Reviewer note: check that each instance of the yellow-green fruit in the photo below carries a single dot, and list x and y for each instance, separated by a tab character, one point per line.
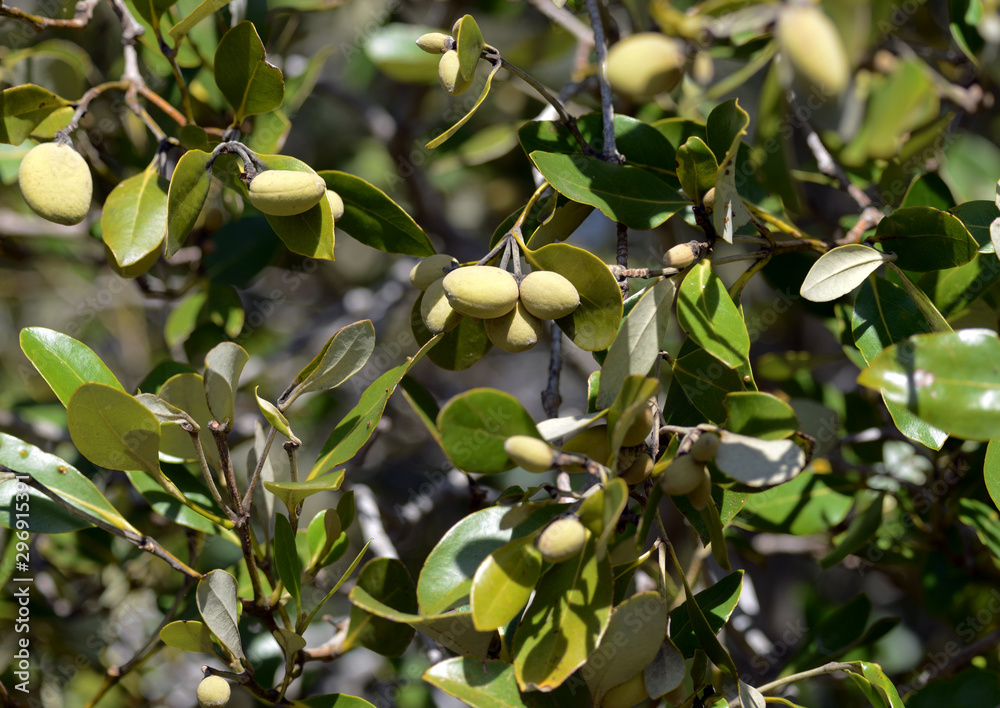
434	42
435	310
529	453
592	442
680	256
682	476
286	192
56	183
702	494
626	695
517	331
336	204
548	295
430	270
213	692
450	74
645	64
640	427
813	46
705	446
562	539
639	471
481	291
708	201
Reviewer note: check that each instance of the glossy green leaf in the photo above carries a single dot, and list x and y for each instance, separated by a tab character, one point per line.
624	193
808	504
928	190
637	345
926	239
286	559
423	404
503	583
187	393
729	122
189	185
696	168
112	429
292	493
274	417
874	675
565	219
491	684
594	324
188	635
884	315
716	602
474	426
601	510
457	349
250	84
948	379
374	219
440	139
344	355
387	581
759	415
203	10
218	606
64	362
223	366
447	574
134	220
977	216
954	290
991	471
709	316
864	525
984	519
707	381
564	623
324	531
469	42
726	124
840	270
24	107
65	480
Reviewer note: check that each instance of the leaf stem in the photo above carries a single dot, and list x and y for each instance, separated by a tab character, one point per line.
831	668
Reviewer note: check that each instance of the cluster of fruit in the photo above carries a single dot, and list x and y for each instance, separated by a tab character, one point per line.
512	312
449	69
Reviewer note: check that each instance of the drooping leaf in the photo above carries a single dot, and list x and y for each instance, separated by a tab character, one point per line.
188	635
293	493
709	316
24	107
64	362
474	426
344	354
840	270
223	366
218	605
440	139
112	429
250	84
189	185
134	220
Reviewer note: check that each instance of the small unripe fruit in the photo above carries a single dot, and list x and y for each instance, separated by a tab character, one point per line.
517	331
562	539
682	476
645	64
213	692
813	46
548	295
435	310
430	270
481	291
286	192
592	442
640	427
705	446
625	695
680	256
529	453
56	183
708	201
450	74
702	494
336	204
435	42
639	471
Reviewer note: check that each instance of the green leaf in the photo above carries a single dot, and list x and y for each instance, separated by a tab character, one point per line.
810	503
637	345
716	602
725	125
447	574
206	8
134	220
24	107
729	123
387	581
187	393
293	493
286	559
948	379
469	41
707	381
953	290
324	531
925	239
624	193
991	471
274	417
439	140
759	415
474	426
491	684
971	687
880	683
503	583
64	362
709	316
600	511
884	315
840	270
249	83
344	355
189	185
977	216
393	49
60	477
594	324
112	429
759	463
838	630
188	635
984	519
217	604
374	219
334	700
863	526
929	190
564	623
223	365
696	168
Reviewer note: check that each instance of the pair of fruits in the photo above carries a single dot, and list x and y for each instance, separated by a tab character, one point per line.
512	312
287	192
449	69
688	473
56	183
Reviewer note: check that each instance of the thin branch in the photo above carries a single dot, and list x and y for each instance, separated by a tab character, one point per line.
550	396
81	18
831	668
609	150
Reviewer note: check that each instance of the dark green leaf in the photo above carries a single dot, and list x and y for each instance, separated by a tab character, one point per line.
971	687
474	426
64	362
716	602
884	315
22	108
707	381
709	316
457	349
759	415
863	526
286	559
248	82
134	221
696	168
387	581
808	504
492	684
926	239
188	191
977	217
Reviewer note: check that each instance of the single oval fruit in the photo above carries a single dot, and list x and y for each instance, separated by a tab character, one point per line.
517	331
645	64
548	295
436	312
640	427
705	446
592	442
435	42
639	471
681	256
286	192
814	48
531	454
625	695
450	74
562	539
336	204
701	495
213	692
56	183
682	476
481	291
431	269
